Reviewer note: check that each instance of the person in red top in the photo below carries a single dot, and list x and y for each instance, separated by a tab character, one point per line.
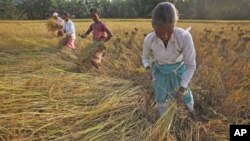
101	34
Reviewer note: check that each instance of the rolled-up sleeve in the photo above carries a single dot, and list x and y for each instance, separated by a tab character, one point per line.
146	53
189	56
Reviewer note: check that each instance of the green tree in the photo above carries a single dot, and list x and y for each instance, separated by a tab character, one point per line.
188	9
35	9
8	10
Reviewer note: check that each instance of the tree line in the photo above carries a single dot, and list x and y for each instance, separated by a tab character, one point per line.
188	9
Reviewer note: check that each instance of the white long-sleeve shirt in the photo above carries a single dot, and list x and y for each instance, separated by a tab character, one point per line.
180	48
69	29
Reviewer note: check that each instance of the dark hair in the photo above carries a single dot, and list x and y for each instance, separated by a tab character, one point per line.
93	9
66	14
165	12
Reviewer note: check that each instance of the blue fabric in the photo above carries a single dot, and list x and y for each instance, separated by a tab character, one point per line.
167	81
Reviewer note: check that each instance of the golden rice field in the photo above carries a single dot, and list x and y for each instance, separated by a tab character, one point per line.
47	96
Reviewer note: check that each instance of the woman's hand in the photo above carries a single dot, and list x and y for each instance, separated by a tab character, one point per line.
105	40
83	35
149	74
180	94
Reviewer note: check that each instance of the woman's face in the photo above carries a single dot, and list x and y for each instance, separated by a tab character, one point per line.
163	31
94	16
66	18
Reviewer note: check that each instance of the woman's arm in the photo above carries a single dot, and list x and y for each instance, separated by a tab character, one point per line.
146	53
189	55
87	32
145	58
109	34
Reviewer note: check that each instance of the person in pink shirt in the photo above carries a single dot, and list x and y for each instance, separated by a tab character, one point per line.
101	34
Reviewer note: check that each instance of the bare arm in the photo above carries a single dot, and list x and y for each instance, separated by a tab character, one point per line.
109	34
86	33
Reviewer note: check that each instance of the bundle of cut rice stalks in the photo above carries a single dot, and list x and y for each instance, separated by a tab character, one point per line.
53	26
68	106
160	131
80	56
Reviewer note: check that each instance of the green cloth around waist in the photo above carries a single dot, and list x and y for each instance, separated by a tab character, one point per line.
168	78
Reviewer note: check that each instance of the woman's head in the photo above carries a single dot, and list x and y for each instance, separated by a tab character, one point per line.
66	16
55	15
94	14
164	18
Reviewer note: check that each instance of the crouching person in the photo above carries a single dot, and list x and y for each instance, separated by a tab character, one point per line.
174	53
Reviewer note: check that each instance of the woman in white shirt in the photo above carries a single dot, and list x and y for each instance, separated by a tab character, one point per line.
69	29
174	58
59	21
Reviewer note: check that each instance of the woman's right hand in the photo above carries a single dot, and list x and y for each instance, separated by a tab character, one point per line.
149	75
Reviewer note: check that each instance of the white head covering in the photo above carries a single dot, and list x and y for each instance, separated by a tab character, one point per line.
55	14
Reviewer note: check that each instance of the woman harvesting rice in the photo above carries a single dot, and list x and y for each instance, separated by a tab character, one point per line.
69	29
174	54
59	21
100	33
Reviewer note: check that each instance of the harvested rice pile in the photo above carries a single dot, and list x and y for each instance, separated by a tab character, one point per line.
70	106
